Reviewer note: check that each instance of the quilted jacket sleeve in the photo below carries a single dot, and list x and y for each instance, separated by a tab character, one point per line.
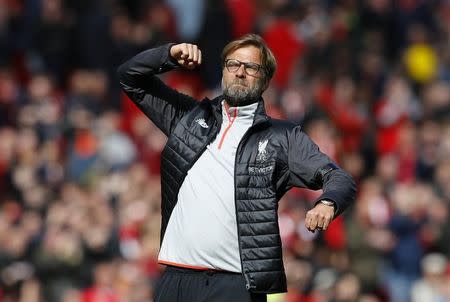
309	167
162	104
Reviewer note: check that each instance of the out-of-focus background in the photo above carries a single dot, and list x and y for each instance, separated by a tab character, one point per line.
79	165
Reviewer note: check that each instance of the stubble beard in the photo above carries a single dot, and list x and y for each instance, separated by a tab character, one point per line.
241	95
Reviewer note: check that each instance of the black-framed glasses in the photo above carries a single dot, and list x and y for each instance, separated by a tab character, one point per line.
251	69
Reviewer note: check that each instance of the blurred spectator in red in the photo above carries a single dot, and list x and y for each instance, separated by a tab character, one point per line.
397	107
243	15
345	110
282	38
102	289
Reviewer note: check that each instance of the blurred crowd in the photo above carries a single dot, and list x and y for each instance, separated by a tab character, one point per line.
369	80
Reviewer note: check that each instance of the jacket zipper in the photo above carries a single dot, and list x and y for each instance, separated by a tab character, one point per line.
230	123
244	138
238	150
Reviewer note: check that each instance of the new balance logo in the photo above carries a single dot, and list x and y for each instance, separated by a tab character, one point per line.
201	122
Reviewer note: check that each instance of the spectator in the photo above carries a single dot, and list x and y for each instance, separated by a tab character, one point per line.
432	286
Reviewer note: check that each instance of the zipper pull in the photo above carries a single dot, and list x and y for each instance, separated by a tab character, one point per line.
247	282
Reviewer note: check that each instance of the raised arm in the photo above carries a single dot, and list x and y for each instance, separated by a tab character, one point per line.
162	104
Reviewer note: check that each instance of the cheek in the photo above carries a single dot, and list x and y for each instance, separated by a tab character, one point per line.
225	77
256	83
228	78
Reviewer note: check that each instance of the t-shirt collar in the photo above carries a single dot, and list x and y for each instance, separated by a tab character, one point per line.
247	111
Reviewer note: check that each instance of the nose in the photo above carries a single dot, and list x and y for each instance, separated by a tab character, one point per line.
241	71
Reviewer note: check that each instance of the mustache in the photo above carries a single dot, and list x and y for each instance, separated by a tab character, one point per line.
240	82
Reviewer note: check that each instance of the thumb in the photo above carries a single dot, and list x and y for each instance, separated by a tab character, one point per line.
179	51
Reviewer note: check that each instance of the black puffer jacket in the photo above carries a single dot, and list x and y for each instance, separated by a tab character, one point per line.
272	157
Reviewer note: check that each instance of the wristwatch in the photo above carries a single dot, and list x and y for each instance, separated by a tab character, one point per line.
329	203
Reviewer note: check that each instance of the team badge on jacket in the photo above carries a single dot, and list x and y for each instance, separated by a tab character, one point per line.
262	153
201	122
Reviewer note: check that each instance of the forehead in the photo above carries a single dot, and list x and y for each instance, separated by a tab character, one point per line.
248	53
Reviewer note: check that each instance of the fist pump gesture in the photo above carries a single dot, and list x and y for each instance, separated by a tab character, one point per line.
187	55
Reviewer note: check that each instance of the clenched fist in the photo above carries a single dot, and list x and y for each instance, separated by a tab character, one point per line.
319	217
187	55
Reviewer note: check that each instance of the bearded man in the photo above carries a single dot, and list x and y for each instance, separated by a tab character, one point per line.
225	166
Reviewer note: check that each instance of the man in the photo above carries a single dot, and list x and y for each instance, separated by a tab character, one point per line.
224	168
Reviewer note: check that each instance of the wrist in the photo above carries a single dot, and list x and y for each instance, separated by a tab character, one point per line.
329	203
